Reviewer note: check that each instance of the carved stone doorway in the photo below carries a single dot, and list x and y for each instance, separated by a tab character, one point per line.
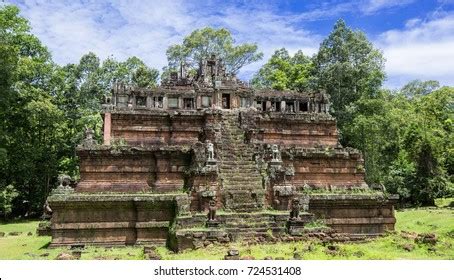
225	101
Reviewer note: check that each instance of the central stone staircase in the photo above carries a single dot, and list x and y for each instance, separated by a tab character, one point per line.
241	181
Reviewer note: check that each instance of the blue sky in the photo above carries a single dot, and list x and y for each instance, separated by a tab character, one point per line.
416	37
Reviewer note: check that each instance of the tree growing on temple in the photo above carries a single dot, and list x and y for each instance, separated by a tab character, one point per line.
202	43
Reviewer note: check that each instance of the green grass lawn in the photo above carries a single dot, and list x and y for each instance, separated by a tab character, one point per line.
423	220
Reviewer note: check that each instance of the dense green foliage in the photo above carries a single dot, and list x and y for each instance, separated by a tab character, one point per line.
7	195
407	142
44	109
202	43
348	67
284	72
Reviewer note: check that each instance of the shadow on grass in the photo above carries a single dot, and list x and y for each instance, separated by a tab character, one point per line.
17	221
45	246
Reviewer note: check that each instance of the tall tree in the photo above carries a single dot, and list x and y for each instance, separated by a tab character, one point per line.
31	124
80	91
202	43
348	66
418	87
284	72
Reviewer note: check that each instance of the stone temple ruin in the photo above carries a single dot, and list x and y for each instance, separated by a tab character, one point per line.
209	158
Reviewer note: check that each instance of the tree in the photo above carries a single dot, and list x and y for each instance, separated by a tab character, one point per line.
348	66
407	142
418	87
80	90
30	121
202	43
133	71
285	72
7	195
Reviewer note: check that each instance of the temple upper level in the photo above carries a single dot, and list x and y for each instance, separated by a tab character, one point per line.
126	97
213	88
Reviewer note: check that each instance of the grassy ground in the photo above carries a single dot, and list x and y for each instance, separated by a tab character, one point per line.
393	246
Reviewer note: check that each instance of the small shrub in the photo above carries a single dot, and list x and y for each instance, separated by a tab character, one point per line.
7	195
316	224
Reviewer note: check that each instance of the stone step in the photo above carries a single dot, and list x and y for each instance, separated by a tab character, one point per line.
237	159
248	233
244	193
241	169
257	185
235	142
250	185
233	166
249	176
248	188
238	150
253	179
243	177
245	168
235	148
245	180
232	146
245	209
232	162
235	153
235	162
243	165
243	187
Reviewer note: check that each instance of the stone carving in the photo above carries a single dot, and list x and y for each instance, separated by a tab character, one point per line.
232	254
210	151
64	180
211	161
212	211
276	154
88	139
64	187
212	219
295	212
47	211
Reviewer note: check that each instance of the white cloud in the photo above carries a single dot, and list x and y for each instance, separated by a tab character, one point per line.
372	6
412	22
123	29
70	28
146	28
423	50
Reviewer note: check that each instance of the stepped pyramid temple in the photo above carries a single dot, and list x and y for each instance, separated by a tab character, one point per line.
209	159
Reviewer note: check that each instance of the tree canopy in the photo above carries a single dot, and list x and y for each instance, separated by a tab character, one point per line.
44	109
284	72
202	43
